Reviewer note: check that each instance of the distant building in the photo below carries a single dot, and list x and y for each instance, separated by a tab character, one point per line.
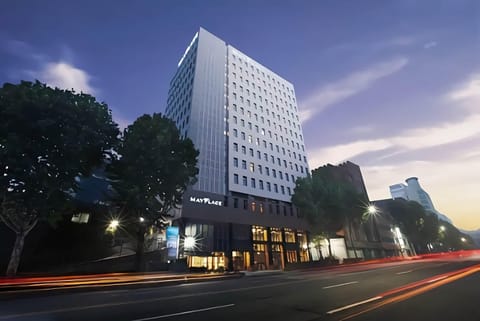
375	237
412	191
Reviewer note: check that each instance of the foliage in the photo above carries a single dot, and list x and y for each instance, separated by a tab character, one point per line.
327	202
48	137
420	226
153	170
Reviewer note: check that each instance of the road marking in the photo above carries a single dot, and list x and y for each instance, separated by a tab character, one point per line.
404	272
337	285
354	305
415	292
186	312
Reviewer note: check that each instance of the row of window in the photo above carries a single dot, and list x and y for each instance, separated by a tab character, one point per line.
252	126
256	140
267	186
245	63
263	169
272	159
264	207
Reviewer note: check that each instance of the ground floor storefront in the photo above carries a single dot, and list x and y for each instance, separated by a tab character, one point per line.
237	247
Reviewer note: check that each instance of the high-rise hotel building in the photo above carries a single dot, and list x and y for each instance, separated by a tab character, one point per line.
243	118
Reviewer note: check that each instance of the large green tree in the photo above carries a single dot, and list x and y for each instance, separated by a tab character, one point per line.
48	138
327	202
154	168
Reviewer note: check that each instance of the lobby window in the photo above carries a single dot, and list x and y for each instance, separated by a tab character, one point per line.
289	235
235	178
235	200
260	208
276	234
245	204
253	206
260	183
252	182
244	164
235	162
244	180
259	233
270	208
291	256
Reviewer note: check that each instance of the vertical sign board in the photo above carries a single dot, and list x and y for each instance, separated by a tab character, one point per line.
172	242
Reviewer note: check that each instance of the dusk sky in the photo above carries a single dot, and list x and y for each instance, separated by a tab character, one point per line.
393	86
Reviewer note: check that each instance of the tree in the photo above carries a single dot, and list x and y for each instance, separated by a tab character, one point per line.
327	202
420	226
48	138
153	170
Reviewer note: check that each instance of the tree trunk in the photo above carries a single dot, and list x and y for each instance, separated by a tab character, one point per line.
349	226
140	254
16	254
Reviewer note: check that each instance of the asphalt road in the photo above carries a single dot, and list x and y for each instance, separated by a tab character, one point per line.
436	289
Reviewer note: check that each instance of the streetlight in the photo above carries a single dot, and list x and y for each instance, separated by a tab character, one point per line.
442	228
112	228
371	209
463	239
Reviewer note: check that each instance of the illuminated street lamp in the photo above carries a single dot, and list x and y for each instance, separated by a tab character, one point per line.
189	242
112	228
463	239
371	209
442	228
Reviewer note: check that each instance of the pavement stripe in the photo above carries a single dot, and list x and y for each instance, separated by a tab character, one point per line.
354	305
415	292
404	272
186	312
338	285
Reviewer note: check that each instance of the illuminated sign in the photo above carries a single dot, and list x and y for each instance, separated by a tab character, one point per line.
172	242
205	200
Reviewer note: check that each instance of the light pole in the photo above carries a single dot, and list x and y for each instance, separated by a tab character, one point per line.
112	228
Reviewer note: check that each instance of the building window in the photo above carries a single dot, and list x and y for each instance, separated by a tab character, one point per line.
259	233
276	234
282	188
260	169
244	150
260	183
259	154
235	178
267	171
269	187
260	208
252	182
292	256
289	190
274	173
250	139
244	164
235	133
235	147
275	188
235	200
245	204
251	151
244	180
235	162
289	235
243	138
253	206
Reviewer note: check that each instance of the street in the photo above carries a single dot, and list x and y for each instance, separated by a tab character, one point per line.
429	289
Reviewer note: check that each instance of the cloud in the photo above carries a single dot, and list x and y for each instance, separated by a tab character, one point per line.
66	76
410	140
467	91
430	44
356	82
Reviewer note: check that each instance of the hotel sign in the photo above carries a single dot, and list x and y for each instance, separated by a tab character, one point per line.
205	200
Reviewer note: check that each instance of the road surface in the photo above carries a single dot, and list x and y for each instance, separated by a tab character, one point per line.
432	289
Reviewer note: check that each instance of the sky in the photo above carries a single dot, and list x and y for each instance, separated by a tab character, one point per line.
393	86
